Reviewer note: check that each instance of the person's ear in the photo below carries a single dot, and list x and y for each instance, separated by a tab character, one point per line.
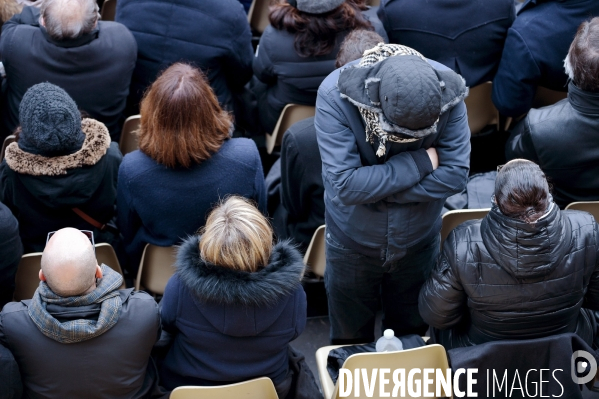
99	272
42	277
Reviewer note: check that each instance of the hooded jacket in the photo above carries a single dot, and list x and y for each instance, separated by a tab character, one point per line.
228	325
541	137
528	61
383	205
501	278
41	191
95	69
11	251
112	365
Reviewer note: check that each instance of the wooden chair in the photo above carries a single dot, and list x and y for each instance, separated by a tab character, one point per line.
545	97
591	207
374	3
258	388
155	269
258	15
480	107
430	356
27	277
291	114
315	256
453	219
108	11
128	142
7	140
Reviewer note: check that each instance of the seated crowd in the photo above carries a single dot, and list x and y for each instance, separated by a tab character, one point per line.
388	144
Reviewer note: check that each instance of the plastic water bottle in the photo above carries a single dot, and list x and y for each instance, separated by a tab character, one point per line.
388	342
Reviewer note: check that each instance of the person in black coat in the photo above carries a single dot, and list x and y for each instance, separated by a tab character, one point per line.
60	168
296	52
534	51
527	270
568	127
185	164
11	251
212	35
236	291
93	64
466	36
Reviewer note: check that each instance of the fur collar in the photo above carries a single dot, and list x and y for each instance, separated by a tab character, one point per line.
97	141
216	284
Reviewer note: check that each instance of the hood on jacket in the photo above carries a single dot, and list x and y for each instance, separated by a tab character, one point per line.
68	179
240	303
526	251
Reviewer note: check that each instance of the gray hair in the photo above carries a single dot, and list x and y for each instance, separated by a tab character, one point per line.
69	19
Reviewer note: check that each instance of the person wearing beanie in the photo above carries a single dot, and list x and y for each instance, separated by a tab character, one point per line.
61	171
394	142
296	52
62	42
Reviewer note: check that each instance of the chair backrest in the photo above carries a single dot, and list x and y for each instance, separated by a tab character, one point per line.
480	107
545	96
259	388
27	277
258	15
128	141
7	141
430	356
108	11
291	114
315	256
591	207
453	219
374	3
155	269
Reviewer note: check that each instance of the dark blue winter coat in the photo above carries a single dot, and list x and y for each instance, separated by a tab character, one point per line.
231	325
162	206
213	35
11	250
466	36
535	49
387	207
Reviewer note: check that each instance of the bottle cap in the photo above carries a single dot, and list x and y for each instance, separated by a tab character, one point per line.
389	333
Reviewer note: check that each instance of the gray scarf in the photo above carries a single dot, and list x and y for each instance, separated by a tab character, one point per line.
106	293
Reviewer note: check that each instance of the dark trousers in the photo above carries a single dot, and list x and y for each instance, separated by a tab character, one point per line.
356	284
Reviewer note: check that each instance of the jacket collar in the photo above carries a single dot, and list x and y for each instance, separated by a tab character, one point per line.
215	284
97	141
526	251
69	43
582	101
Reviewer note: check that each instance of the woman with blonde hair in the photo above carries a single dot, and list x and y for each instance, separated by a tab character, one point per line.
234	303
185	163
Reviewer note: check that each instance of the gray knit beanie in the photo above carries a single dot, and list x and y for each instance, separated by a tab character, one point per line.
316	6
50	122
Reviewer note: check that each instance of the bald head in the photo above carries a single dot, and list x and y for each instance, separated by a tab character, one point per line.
69	264
69	19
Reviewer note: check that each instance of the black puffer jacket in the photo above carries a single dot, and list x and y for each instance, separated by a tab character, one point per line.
501	278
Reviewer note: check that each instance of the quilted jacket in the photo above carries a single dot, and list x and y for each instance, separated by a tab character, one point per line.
501	278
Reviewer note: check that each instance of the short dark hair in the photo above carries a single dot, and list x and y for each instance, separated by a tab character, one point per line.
316	34
522	190
354	45
582	62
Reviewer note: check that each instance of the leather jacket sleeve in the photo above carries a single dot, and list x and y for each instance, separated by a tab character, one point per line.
520	144
442	300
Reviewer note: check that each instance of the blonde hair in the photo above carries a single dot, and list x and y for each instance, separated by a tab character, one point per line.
236	236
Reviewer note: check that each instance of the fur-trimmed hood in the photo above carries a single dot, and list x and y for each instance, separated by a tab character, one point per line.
219	285
97	141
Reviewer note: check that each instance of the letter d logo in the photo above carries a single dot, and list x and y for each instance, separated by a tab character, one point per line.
574	369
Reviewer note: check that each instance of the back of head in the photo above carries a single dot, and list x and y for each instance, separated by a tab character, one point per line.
582	62
69	19
69	263
316	23
237	236
182	122
522	191
355	44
